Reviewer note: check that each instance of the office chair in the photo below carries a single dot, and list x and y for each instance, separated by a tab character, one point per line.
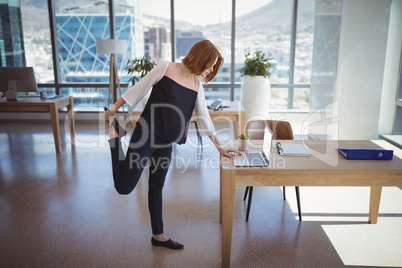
282	130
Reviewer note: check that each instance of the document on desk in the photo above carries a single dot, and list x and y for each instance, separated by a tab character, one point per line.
292	149
366	153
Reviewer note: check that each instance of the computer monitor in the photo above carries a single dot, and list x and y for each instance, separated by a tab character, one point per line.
23	76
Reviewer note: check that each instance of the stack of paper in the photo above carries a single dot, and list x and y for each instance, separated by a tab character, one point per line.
292	149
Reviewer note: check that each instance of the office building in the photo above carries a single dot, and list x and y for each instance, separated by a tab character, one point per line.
157	44
11	38
79	61
185	40
77	52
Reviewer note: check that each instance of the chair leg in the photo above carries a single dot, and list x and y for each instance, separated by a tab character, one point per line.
298	202
284	193
250	197
245	193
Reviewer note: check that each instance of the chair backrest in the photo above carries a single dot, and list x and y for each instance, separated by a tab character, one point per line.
282	130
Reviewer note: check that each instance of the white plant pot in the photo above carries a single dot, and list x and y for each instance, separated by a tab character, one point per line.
255	97
243	145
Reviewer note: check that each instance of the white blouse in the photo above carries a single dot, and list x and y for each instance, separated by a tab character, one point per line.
136	93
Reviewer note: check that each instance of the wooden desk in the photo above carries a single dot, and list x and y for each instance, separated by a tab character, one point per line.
326	167
52	106
235	113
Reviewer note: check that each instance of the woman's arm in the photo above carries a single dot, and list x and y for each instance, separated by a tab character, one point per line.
205	125
136	93
224	152
204	122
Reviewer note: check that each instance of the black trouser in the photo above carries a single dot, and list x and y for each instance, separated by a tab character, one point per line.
127	170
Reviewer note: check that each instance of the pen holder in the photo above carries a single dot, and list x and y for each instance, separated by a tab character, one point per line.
243	144
42	95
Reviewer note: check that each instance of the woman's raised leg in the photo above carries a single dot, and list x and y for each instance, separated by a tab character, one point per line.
127	169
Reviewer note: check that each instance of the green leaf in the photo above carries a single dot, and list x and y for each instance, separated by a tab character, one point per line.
243	136
256	65
138	67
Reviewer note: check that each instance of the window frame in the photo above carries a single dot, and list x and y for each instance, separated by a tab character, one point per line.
232	85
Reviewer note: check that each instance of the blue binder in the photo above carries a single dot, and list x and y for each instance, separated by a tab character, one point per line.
366	153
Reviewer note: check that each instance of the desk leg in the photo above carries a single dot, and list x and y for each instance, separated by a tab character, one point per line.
375	196
54	116
227	212
70	112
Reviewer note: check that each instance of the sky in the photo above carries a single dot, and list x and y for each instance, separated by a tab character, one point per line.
201	12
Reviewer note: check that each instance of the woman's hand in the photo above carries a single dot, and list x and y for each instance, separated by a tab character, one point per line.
225	152
108	115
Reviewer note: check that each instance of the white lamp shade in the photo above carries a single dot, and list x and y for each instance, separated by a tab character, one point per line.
111	46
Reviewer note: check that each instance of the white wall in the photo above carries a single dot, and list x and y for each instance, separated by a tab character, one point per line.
363	45
391	72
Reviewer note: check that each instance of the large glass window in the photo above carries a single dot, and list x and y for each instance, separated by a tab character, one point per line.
128	27
87	98
11	42
210	20
263	25
304	41
78	26
303	53
36	41
155	20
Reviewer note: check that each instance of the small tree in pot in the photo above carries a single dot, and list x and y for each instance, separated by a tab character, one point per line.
256	88
256	65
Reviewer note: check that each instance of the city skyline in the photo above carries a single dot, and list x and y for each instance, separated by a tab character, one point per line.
265	29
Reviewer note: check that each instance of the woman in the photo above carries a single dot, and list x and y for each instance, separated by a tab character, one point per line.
176	93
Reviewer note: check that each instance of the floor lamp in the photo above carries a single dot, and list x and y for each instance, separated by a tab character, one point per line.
112	47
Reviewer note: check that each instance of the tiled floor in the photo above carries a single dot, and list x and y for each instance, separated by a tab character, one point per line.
61	210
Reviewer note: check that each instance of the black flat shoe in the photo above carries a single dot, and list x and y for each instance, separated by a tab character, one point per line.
119	129
167	244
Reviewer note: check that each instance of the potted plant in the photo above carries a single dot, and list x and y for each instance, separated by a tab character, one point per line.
243	142
139	66
256	87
